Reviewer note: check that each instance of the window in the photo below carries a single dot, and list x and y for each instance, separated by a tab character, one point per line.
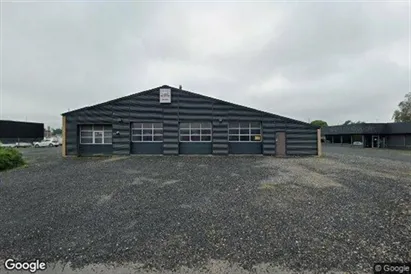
146	132
96	134
195	132
244	132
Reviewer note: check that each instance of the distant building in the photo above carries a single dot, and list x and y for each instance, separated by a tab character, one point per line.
374	135
48	133
15	131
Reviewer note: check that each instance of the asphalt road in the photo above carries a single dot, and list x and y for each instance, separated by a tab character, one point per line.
341	212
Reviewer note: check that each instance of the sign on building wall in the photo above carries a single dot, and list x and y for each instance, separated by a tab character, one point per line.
165	95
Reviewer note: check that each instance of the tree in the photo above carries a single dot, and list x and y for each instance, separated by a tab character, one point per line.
403	114
319	123
56	131
349	122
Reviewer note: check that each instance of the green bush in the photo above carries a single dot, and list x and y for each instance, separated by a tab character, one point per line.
10	158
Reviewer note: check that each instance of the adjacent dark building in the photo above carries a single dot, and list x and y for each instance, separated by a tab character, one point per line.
374	135
172	121
14	131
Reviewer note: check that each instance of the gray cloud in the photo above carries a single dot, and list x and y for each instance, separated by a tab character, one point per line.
332	61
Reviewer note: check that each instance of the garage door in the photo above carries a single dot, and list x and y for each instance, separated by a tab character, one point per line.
95	140
245	138
195	138
146	138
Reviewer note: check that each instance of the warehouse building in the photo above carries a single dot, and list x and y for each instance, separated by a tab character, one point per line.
173	121
373	135
12	132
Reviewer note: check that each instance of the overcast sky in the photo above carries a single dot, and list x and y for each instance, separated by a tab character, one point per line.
329	61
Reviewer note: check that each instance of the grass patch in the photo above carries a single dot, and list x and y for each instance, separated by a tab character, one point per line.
116	158
267	186
10	158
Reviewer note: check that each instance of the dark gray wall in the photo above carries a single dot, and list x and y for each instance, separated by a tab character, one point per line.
399	128
187	106
92	150
14	131
196	148
368	128
395	141
355	129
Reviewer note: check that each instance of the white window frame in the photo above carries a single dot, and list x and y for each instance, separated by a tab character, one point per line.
190	129
142	128
238	134
93	134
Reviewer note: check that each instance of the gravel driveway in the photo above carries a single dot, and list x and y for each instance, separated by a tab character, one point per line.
341	212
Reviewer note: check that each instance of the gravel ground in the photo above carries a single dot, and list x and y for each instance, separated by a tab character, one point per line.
388	154
341	212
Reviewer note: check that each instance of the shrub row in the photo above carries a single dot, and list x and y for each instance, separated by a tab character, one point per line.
10	158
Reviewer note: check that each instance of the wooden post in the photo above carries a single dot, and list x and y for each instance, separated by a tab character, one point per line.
319	145
63	136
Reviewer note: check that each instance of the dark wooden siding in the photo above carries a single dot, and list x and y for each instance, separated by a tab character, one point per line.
301	140
185	107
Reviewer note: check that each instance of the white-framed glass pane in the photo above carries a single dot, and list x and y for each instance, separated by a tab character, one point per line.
136	125
206	125
147	125
233	138
136	138
244	138
184	131
195	138
158	138
98	127
98	140
256	138
206	138
184	138
107	134
206	131
158	131
195	125
98	134
244	125
158	125
195	131
244	131
255	131
86	127
86	134
233	125
86	140
147	131
107	128
135	131
233	131
147	138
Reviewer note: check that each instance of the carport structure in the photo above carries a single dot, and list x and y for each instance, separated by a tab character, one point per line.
172	121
